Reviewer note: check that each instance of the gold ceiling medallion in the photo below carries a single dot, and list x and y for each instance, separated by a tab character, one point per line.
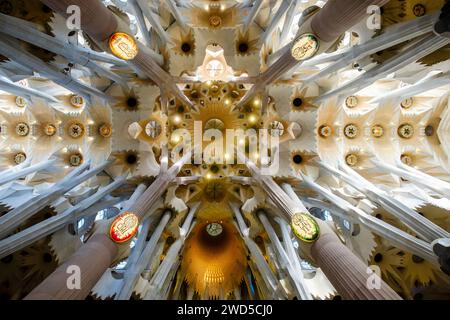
429	131
214	88
305	47
377	131
351	159
351	131
215	21
325	131
22	129
20	157
124	227
75	159
406	131
215	189
77	101
305	227
351	102
215	124
123	46
21	102
105	130
419	10
154	129
276	128
49	130
76	130
407	103
235	94
406	159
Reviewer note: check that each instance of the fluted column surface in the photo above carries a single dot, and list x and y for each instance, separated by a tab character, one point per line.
337	16
348	274
54	287
96	19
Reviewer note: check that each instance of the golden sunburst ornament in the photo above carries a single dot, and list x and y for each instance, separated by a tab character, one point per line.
244	45
418	271
301	159
396	11
128	100
105	130
277	127
214	17
301	102
390	260
49	129
184	45
127	161
38	261
77	101
36	12
215	110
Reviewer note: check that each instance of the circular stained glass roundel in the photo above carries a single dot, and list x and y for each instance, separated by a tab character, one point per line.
305	47
123	46
153	129
305	227
215	68
214	229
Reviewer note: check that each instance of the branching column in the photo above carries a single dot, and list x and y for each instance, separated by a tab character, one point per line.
349	275
100	251
336	17
100	23
92	259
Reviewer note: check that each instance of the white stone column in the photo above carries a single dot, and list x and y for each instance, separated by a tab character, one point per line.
426	229
46	227
136	266
21	171
396	236
172	257
267	275
417	177
287	262
18	215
